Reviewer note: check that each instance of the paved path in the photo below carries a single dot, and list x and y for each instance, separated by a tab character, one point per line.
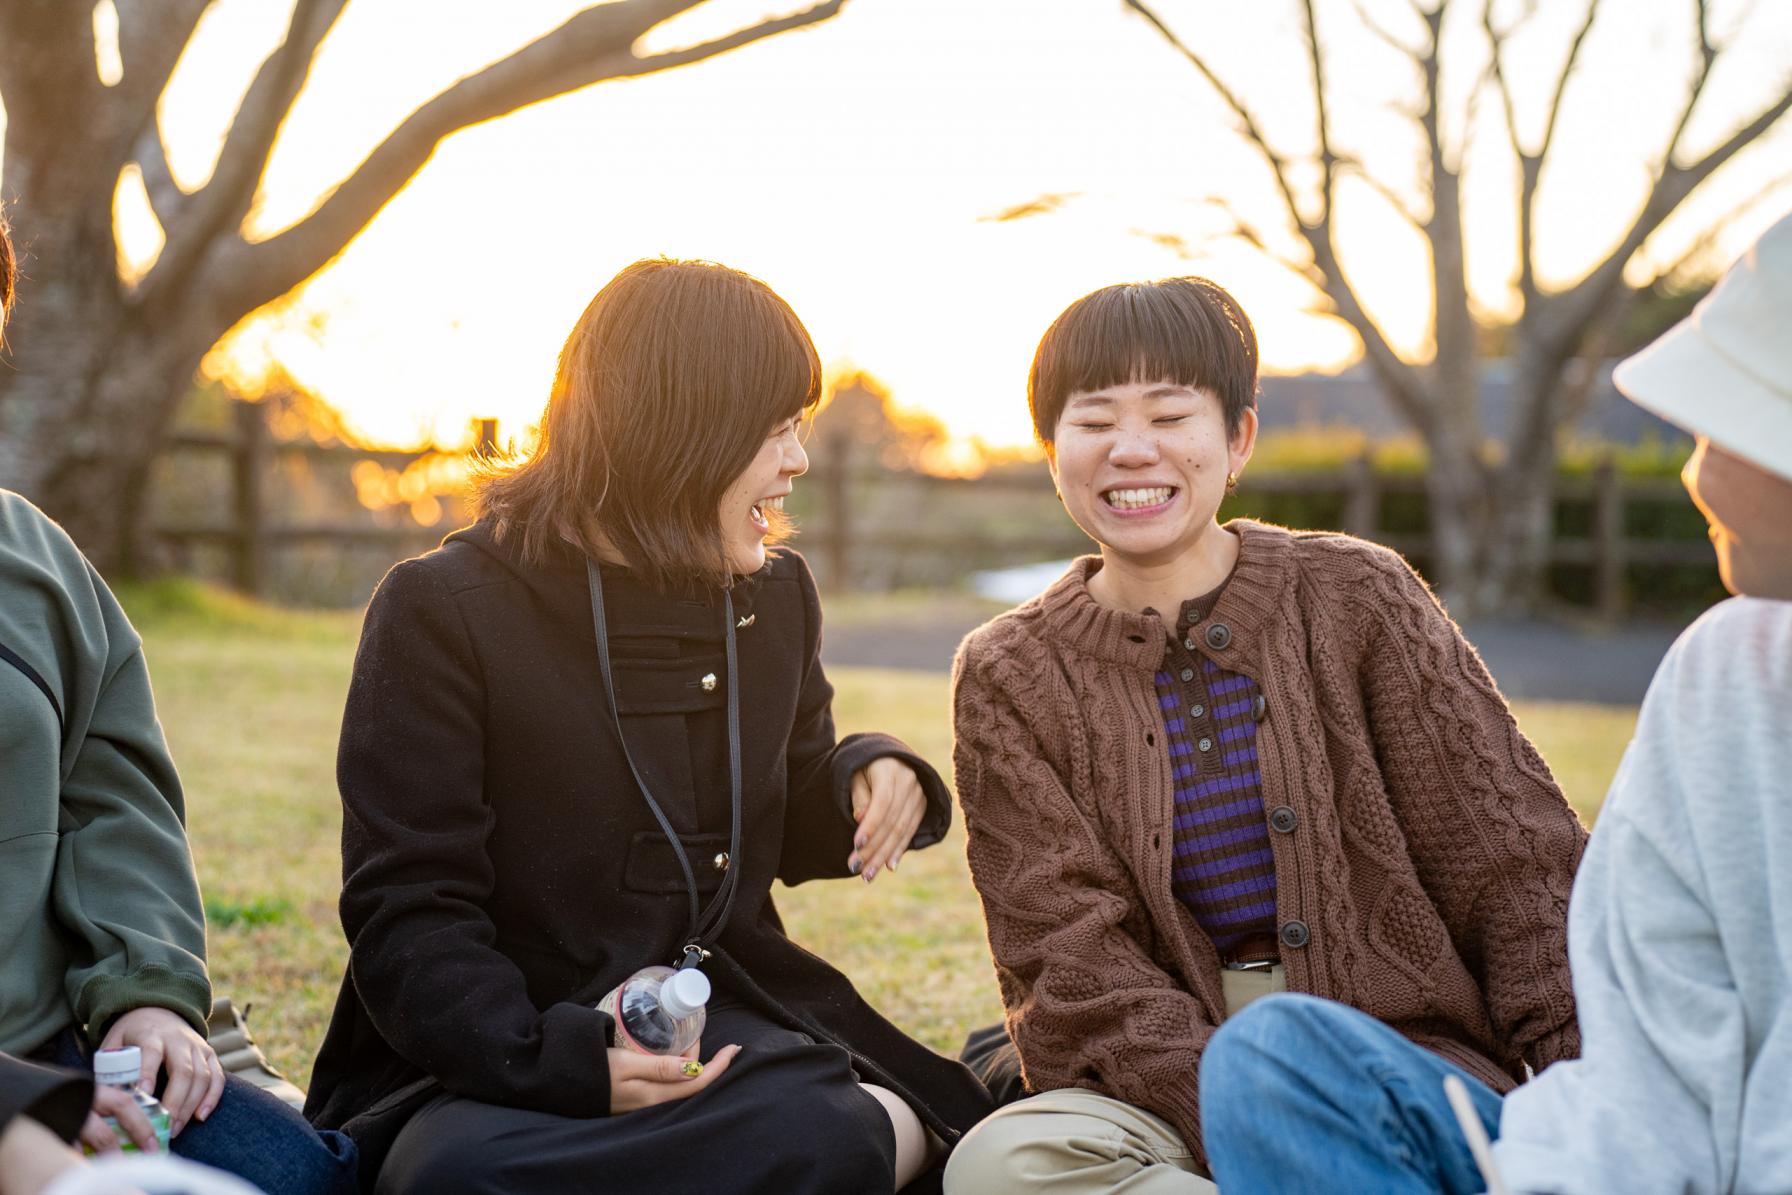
1543	661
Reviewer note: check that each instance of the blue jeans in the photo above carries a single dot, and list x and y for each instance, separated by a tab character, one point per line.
249	1134
1301	1094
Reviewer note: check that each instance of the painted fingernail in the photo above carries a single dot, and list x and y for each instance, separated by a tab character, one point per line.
871	873
853	865
895	859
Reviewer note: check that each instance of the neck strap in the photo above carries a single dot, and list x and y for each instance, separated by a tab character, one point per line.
705	924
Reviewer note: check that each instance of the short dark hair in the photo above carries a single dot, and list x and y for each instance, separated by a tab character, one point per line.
667	388
1187	331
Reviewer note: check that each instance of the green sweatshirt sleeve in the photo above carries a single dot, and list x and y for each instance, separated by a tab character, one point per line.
124	895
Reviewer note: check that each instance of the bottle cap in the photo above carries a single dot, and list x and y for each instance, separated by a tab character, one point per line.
118	1066
683	993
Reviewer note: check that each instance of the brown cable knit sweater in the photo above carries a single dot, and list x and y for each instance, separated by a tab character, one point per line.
1423	876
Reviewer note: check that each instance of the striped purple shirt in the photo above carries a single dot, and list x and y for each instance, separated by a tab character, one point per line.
1221	865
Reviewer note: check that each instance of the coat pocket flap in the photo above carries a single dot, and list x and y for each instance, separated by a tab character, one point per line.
653	863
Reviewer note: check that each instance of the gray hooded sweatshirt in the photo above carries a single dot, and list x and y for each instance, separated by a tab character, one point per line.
99	907
1680	938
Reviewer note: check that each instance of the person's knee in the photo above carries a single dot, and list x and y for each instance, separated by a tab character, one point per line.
1250	1052
258	1138
992	1156
1021	1149
442	1148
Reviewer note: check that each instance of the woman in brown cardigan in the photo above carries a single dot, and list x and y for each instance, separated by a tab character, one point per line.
1219	761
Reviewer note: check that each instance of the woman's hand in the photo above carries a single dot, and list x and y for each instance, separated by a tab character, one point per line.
643	1080
195	1076
888	803
117	1103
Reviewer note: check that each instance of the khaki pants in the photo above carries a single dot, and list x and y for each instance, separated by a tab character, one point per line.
1074	1141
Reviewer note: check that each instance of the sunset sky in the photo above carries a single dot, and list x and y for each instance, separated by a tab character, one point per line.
854	166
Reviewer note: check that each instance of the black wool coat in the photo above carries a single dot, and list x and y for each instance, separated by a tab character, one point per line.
502	871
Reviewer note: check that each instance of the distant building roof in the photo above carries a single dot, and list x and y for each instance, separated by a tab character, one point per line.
1353	399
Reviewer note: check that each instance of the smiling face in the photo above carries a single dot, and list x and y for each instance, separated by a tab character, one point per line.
1750	512
1142	466
753	504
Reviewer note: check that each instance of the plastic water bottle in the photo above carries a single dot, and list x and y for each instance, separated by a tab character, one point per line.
122	1068
658	1010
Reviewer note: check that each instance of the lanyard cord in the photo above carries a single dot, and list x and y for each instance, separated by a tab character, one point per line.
705	925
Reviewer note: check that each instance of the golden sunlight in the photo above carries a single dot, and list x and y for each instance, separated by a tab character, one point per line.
860	167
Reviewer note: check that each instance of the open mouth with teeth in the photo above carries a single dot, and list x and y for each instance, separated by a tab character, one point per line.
1140	500
759	512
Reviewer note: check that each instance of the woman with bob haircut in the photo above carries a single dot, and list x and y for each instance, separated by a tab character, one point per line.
1215	762
583	737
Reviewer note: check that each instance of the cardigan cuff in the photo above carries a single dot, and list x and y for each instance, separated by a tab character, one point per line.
1555	1047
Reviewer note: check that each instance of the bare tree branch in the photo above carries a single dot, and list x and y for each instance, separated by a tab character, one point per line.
152	34
1672	185
1444	182
47	77
166	199
1328	161
1278	165
1039	205
1243	230
1578	314
1561	89
1381	33
1531	162
1396	377
593	46
1456	365
1496	45
1702	243
1708	53
1393	198
225	198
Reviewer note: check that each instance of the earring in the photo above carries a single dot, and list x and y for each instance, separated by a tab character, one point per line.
1231	483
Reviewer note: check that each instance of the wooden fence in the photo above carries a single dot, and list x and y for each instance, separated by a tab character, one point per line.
251	534
839	534
1607	550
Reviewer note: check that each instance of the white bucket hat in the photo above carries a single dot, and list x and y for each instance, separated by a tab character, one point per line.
1725	371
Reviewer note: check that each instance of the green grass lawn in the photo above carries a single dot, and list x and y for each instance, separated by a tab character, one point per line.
251	699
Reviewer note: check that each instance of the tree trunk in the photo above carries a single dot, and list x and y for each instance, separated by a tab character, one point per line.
1491	531
82	442
89	386
98	369
1454	505
1519	531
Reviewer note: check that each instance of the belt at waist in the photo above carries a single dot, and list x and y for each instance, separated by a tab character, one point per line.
1258	950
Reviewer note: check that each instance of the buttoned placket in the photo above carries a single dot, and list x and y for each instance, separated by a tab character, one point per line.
1189	669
